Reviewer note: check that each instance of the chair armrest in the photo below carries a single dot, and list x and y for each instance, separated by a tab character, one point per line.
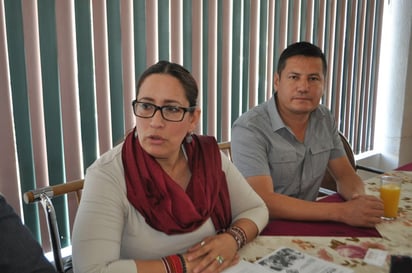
53	191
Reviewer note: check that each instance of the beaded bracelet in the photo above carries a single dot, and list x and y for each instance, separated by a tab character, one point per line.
182	260
239	235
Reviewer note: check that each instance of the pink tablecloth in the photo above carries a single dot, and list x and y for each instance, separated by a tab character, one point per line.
406	167
323	228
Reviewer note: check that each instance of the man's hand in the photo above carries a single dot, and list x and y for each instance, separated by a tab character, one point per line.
363	211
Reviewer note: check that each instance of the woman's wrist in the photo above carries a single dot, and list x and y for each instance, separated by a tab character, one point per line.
238	234
174	264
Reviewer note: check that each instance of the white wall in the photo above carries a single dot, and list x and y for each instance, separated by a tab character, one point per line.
394	109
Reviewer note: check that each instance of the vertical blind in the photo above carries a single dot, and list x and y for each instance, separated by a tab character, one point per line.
68	71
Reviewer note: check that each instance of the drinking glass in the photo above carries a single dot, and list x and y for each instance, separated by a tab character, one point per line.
390	191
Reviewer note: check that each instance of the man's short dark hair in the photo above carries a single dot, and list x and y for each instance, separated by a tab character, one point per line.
301	48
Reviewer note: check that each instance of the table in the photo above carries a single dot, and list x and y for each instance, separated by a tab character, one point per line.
349	251
406	167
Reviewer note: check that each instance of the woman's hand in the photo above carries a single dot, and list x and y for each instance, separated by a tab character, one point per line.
213	254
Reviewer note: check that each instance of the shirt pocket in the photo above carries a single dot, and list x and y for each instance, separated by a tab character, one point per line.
283	164
319	158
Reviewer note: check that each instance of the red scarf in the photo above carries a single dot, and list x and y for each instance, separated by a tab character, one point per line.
163	203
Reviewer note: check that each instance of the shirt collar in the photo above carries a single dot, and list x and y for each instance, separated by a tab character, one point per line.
276	120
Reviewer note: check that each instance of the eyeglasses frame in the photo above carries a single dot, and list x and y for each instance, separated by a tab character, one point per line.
160	108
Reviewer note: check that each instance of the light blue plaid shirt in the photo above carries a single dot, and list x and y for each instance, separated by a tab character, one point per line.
263	145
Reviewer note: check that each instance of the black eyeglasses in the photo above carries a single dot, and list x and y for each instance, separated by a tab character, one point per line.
169	112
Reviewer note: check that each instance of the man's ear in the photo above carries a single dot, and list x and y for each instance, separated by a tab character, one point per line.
276	82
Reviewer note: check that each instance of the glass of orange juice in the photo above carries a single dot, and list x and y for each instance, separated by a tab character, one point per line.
390	191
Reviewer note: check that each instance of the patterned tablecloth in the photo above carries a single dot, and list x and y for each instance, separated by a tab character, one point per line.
350	251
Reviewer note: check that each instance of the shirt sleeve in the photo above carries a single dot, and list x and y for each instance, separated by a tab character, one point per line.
19	251
249	148
100	220
255	208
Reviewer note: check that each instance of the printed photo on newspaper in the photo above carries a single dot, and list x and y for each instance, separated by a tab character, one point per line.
288	260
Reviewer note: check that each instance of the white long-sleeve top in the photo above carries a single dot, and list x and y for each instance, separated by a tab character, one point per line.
109	233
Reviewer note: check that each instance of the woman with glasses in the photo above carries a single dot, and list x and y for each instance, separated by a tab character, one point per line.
165	200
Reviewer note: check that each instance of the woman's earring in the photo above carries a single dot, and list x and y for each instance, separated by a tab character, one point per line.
189	138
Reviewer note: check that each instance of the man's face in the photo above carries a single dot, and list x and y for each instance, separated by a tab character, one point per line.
300	85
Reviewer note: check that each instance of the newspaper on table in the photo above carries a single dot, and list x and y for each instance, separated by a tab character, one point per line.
288	260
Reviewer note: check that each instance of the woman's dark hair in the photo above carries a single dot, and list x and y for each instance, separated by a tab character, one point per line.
177	71
304	49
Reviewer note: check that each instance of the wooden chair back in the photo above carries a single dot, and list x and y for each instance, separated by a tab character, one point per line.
328	181
225	148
